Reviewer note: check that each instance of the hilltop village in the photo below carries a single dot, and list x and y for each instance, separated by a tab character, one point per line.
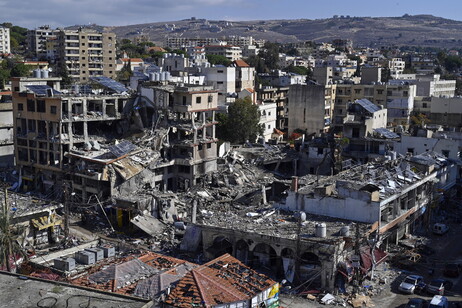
229	172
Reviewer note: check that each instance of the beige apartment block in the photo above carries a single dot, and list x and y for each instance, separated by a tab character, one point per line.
87	53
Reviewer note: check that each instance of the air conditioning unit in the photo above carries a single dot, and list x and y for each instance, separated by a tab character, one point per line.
109	251
85	257
64	264
98	252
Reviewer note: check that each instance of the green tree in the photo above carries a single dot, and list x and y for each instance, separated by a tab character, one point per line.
218	60
125	73
300	70
4	73
63	72
241	122
270	55
9	239
257	62
452	63
20	70
17	37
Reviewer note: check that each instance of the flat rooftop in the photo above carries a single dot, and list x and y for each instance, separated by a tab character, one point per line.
277	223
22	291
389	178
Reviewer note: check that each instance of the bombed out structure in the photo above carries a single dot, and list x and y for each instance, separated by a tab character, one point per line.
102	141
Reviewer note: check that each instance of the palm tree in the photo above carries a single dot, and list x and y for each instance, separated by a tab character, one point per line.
9	236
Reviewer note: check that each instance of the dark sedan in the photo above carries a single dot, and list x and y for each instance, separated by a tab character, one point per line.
439	286
415	303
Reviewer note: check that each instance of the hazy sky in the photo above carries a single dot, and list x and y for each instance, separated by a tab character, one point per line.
57	13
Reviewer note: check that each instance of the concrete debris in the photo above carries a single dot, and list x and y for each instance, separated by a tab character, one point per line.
361	300
327	299
148	224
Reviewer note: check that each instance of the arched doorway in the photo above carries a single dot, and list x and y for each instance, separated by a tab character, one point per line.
288	264
310	269
220	246
265	259
242	251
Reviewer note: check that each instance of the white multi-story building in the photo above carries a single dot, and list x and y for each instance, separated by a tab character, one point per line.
396	66
223	79
5	40
267	119
232	53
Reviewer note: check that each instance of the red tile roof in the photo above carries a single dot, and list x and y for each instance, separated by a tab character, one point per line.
222	280
155	261
132	60
241	63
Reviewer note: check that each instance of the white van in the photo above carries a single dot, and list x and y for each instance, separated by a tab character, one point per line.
440	228
439	301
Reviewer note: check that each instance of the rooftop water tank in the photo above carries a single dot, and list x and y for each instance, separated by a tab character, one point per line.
321	230
345	231
44	73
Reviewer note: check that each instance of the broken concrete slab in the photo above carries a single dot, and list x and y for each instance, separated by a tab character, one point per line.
148	224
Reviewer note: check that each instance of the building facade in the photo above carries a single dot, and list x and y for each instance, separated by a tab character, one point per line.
5	46
87	53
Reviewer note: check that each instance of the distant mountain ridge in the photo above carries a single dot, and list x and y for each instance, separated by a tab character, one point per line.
413	30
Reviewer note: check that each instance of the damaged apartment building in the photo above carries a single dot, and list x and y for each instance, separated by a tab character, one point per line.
50	123
104	142
390	195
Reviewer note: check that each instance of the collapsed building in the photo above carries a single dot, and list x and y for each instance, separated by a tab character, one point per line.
357	213
392	195
50	123
73	135
36	221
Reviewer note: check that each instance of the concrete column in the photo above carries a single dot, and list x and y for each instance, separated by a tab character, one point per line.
104	108
47	130
69	109
85	131
84	107
194	212
213	126
70	134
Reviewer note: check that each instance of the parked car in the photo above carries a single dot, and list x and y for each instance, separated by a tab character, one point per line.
440	228
412	284
439	301
415	303
451	270
439	286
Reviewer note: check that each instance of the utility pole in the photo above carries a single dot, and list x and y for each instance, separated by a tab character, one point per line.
301	217
66	212
357	255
